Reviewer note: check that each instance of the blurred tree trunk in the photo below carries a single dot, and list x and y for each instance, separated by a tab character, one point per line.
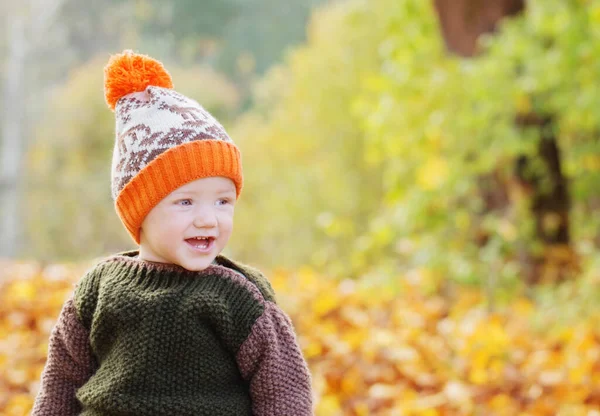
12	138
26	26
550	204
462	22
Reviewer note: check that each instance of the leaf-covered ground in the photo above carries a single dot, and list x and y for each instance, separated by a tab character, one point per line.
374	347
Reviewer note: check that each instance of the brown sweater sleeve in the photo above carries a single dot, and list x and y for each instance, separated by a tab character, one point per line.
69	365
271	360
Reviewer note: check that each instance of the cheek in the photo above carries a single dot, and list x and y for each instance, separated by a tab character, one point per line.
226	221
164	224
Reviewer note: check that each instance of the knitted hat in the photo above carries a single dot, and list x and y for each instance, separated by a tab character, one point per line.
163	139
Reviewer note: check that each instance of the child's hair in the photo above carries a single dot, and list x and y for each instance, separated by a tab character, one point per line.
163	139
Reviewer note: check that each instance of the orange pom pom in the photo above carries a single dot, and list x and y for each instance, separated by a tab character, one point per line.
131	72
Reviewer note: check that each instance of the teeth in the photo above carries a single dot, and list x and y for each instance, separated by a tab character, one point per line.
201	242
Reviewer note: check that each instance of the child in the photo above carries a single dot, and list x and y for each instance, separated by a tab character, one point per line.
174	328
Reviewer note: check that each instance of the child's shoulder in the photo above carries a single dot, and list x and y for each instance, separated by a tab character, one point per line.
251	273
100	264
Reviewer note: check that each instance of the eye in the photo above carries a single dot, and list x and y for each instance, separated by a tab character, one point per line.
224	201
182	202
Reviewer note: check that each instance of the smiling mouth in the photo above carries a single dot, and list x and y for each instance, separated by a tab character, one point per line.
201	243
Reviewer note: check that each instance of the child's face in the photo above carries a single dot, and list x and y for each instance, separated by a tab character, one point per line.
202	208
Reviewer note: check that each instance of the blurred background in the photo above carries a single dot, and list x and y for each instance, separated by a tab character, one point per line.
421	184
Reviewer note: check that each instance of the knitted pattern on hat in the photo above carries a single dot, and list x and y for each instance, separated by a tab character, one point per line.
163	138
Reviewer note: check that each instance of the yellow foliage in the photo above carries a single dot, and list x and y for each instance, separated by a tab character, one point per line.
433	173
370	352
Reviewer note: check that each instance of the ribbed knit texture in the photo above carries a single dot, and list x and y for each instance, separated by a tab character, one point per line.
167	341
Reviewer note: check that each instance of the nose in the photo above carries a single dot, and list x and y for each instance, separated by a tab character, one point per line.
205	217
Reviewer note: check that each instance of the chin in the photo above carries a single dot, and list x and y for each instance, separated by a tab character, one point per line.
195	266
198	268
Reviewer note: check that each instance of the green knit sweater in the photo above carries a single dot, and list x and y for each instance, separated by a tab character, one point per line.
145	338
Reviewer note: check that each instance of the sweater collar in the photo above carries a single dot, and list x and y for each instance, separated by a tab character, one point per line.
175	273
132	257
